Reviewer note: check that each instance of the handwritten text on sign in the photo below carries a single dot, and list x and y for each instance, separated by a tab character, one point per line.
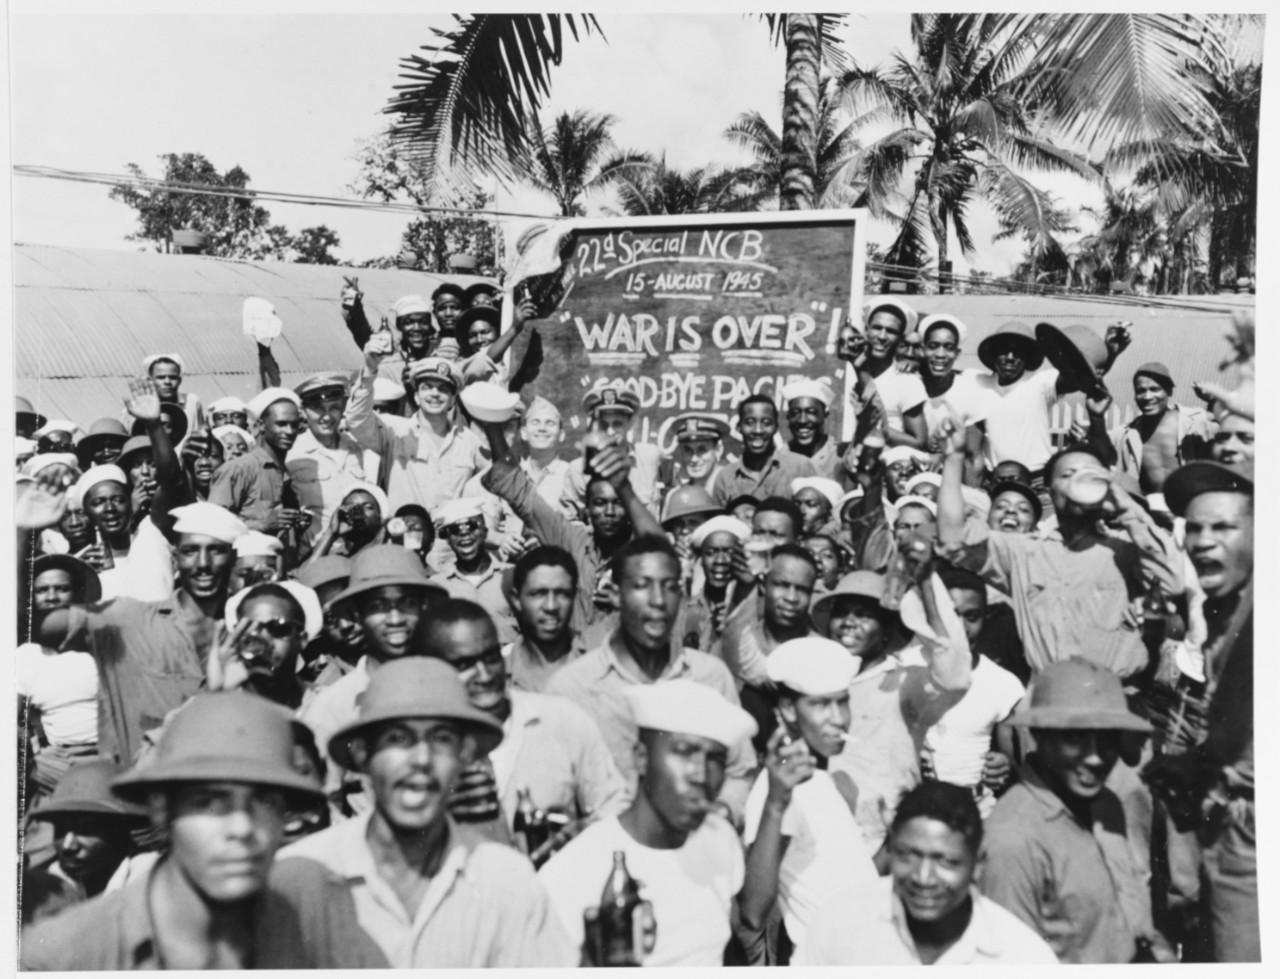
698	316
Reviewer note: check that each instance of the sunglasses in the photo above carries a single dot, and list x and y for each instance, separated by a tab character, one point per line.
276	628
473	526
491	658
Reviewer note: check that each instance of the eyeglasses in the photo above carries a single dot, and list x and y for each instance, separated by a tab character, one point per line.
491	657
472	526
277	628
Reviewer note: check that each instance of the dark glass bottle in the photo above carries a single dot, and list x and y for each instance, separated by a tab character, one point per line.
620	922
530	822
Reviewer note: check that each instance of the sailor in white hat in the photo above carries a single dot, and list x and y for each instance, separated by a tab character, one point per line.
819	501
258	559
806	403
229	410
685	855
475	575
805	848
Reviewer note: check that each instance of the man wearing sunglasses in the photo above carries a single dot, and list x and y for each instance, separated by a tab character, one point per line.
475	575
551	748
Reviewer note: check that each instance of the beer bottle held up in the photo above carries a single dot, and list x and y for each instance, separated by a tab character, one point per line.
108	559
623	918
530	822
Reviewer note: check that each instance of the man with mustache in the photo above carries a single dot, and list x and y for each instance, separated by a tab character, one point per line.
219	787
543	583
805	849
152	655
684	855
1057	852
427	895
928	910
764	469
551	748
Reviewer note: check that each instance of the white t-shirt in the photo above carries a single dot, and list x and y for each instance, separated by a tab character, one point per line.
967	399
900	392
691	889
64	688
956	726
146	572
1018	418
826	859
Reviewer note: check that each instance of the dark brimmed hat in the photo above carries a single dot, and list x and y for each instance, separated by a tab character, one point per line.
487	314
383	565
85	787
695	425
103	432
1006	485
84	579
862	584
1017	335
22	408
437	368
228	736
478	291
136	444
1080	695
415	687
1187	482
1158	372
1076	351
178	422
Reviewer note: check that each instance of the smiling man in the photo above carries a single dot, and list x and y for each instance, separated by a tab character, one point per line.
475	575
1057	851
928	911
764	469
429	897
152	655
1164	435
699	449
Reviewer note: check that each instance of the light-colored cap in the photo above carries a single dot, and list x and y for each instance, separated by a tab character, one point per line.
909	500
224	432
812	666
688	707
210	520
261	402
312	613
37	464
408	305
229	403
903	453
489	402
806	388
721	524
385	389
57	425
151	359
923	479
456	511
257	544
91	478
829	488
375	491
435	367
943	319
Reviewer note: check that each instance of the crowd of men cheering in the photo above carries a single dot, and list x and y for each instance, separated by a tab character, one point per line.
381	670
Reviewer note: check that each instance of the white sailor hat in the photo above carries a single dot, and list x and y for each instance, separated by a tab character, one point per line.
903	453
408	305
720	524
210	520
923	479
688	707
264	400
229	403
44	460
254	543
806	388
435	367
91	478
909	500
829	488
456	511
943	319
385	389
151	359
812	666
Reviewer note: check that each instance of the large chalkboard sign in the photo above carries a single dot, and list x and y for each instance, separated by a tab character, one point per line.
693	313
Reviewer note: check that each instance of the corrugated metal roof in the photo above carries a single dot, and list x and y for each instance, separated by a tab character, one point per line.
86	318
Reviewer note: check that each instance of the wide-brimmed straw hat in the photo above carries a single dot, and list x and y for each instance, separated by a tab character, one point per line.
1076	694
86	788
415	687
84	580
228	736
1018	335
386	564
105	431
1076	351
863	584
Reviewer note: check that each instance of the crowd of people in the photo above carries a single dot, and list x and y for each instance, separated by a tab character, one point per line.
379	670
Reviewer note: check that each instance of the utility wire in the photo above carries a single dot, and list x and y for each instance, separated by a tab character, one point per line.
999	286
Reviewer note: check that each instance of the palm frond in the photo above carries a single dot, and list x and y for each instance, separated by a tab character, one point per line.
469	101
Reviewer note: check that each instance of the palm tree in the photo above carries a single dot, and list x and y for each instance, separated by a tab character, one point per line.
834	169
568	159
962	134
656	188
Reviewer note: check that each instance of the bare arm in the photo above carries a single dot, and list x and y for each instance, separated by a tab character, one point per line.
788	765
913	433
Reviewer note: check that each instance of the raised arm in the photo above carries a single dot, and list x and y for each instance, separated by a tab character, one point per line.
143	404
612	463
353	311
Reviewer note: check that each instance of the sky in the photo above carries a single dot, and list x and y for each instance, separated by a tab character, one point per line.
289	96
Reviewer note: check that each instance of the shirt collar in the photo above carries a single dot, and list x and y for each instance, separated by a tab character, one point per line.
981	933
677	665
493	569
525	710
353	857
265	456
1049	800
